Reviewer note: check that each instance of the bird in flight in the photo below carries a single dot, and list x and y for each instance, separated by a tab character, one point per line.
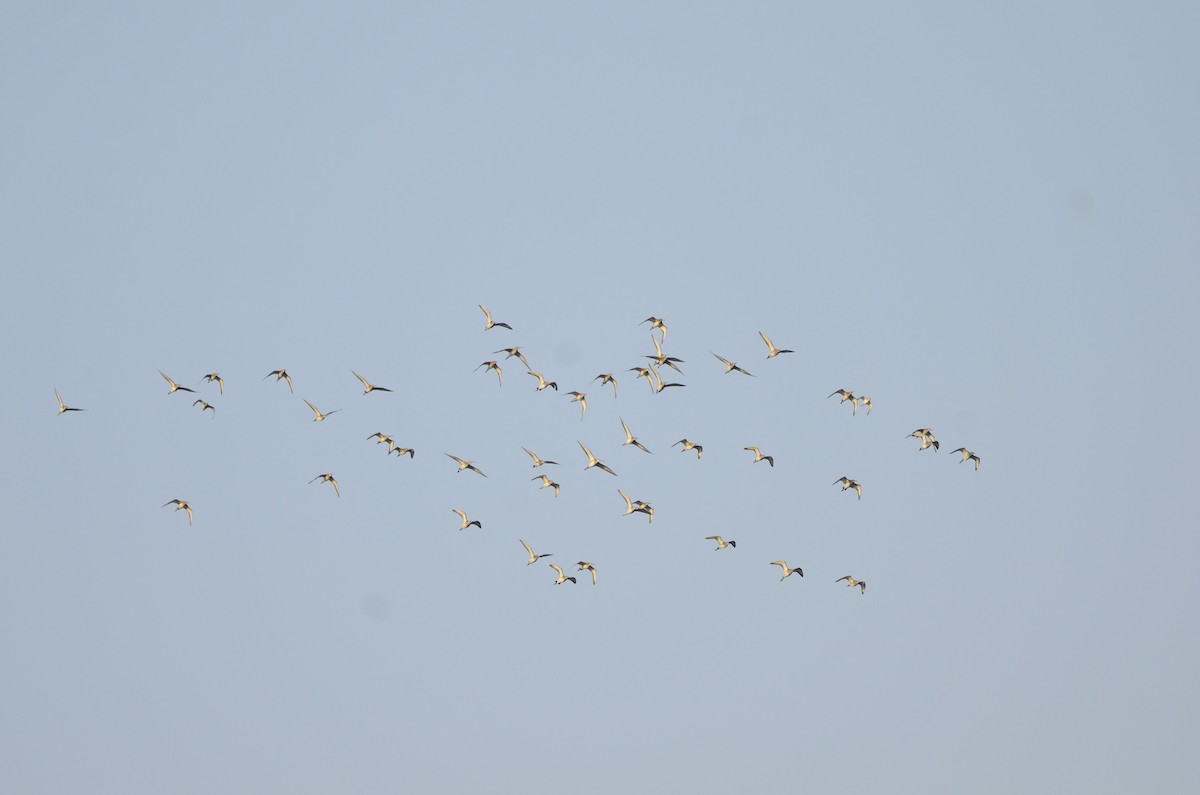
786	571
699	448
369	387
593	461
466	465
758	456
847	483
657	323
967	456
403	451
63	408
926	437
215	377
537	462
466	522
863	401
561	577
722	543
632	507
491	323
174	387
661	358
383	438
320	417
542	382
328	478
547	483
607	378
180	505
514	351
581	399
280	375
534	558
731	366
772	351
206	407
846	395
492	365
851	583
631	439
585	566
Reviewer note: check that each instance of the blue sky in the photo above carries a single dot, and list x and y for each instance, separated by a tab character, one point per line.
983	218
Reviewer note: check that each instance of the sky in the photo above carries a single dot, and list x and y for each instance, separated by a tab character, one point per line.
982	216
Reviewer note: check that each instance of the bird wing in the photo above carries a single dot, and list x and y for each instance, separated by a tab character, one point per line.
364	381
723	359
557	568
527	547
314	408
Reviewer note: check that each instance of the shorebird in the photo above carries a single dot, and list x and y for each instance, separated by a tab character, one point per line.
772	351
631	439
650	375
847	483
215	377
581	399
514	351
320	417
586	566
465	465
846	395
786	571
731	366
174	386
662	385
369	387
63	408
758	456
493	366
546	483
280	375
851	583
967	456
722	543
537	462
534	558
542	382
924	434
607	378
689	446
864	401
593	461
466	522
657	323
491	323
328	478
403	451
661	358
383	438
180	505
638	506
206	407
561	577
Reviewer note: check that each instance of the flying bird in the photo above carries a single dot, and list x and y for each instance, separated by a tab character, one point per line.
383	438
280	375
772	351
581	399
542	382
465	465
561	577
320	417
534	558
650	375
514	351
846	395
466	522
847	483
215	377
402	451
327	478
864	401
758	456
699	448
632	507
731	366
786	571
851	583
586	566
537	462
369	387
492	365
593	461
206	407
722	543
607	378
174	387
967	456
631	439
491	323
657	323
63	408
660	359
180	505
546	483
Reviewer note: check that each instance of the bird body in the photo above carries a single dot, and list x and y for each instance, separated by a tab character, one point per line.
731	366
63	408
547	483
280	375
537	462
691	446
215	377
852	583
463	464
967	456
722	543
465	521
328	478
607	378
758	456
631	439
561	576
320	417
180	505
593	461
581	399
772	351
542	382
174	387
847	483
514	351
586	566
206	407
787	572
534	558
369	387
491	324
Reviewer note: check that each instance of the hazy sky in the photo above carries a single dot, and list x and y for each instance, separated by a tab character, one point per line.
981	215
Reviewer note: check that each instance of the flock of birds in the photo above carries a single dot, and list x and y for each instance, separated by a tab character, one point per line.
651	372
